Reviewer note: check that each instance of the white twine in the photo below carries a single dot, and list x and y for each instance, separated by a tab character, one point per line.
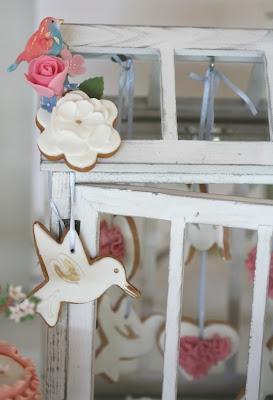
52	204
126	92
72	230
211	81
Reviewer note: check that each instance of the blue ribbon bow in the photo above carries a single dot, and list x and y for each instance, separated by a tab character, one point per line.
211	81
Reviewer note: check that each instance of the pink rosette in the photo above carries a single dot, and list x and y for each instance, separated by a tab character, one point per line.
27	387
47	75
111	241
198	355
250	265
75	63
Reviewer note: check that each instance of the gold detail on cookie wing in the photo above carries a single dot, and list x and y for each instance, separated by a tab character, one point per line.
67	271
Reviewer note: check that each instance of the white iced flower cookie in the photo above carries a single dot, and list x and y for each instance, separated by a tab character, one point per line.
78	130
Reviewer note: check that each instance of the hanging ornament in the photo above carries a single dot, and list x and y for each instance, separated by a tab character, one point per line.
70	277
123	338
119	239
250	264
18	378
205	237
199	355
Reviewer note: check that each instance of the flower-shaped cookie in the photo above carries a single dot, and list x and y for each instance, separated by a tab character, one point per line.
78	130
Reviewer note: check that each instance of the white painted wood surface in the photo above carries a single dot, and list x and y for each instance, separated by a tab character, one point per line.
174	308
56	339
165	44
82	322
264	250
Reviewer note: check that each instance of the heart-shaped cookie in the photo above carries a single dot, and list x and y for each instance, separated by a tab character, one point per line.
119	239
198	356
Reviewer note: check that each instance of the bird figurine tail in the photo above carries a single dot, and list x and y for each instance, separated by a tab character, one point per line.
12	67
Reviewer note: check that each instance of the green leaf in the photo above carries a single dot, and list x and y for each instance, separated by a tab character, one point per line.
93	87
28	317
34	299
7	312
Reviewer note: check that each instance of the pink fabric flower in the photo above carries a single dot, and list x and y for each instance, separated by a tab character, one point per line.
250	265
76	63
198	355
47	75
111	241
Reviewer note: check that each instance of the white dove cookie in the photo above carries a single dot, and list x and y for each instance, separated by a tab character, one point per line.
71	277
78	130
123	339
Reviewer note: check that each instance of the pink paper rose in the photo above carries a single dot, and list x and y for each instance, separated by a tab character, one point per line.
47	74
75	63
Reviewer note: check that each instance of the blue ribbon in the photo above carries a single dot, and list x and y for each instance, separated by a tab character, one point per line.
126	93
211	81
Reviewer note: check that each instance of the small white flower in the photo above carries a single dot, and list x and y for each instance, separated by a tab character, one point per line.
16	313
27	308
15	292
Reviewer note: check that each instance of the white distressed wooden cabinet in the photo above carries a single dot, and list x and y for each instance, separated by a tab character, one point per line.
69	347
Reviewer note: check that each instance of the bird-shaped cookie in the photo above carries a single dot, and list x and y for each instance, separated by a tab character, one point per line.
46	40
70	277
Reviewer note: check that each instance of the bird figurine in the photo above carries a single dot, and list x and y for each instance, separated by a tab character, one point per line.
46	40
69	276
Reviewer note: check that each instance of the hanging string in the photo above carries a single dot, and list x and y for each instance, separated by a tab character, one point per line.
52	204
126	92
211	81
72	230
202	291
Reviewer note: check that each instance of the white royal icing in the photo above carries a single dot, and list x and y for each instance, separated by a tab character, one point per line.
79	128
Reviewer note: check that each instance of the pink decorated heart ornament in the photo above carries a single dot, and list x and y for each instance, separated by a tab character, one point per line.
198	356
250	265
111	241
119	239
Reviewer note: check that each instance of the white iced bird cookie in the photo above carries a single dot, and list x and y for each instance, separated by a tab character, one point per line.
78	130
71	277
124	338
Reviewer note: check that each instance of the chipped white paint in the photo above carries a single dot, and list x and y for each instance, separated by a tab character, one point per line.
258	312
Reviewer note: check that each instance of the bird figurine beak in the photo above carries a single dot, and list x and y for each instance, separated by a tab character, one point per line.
60	21
131	290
